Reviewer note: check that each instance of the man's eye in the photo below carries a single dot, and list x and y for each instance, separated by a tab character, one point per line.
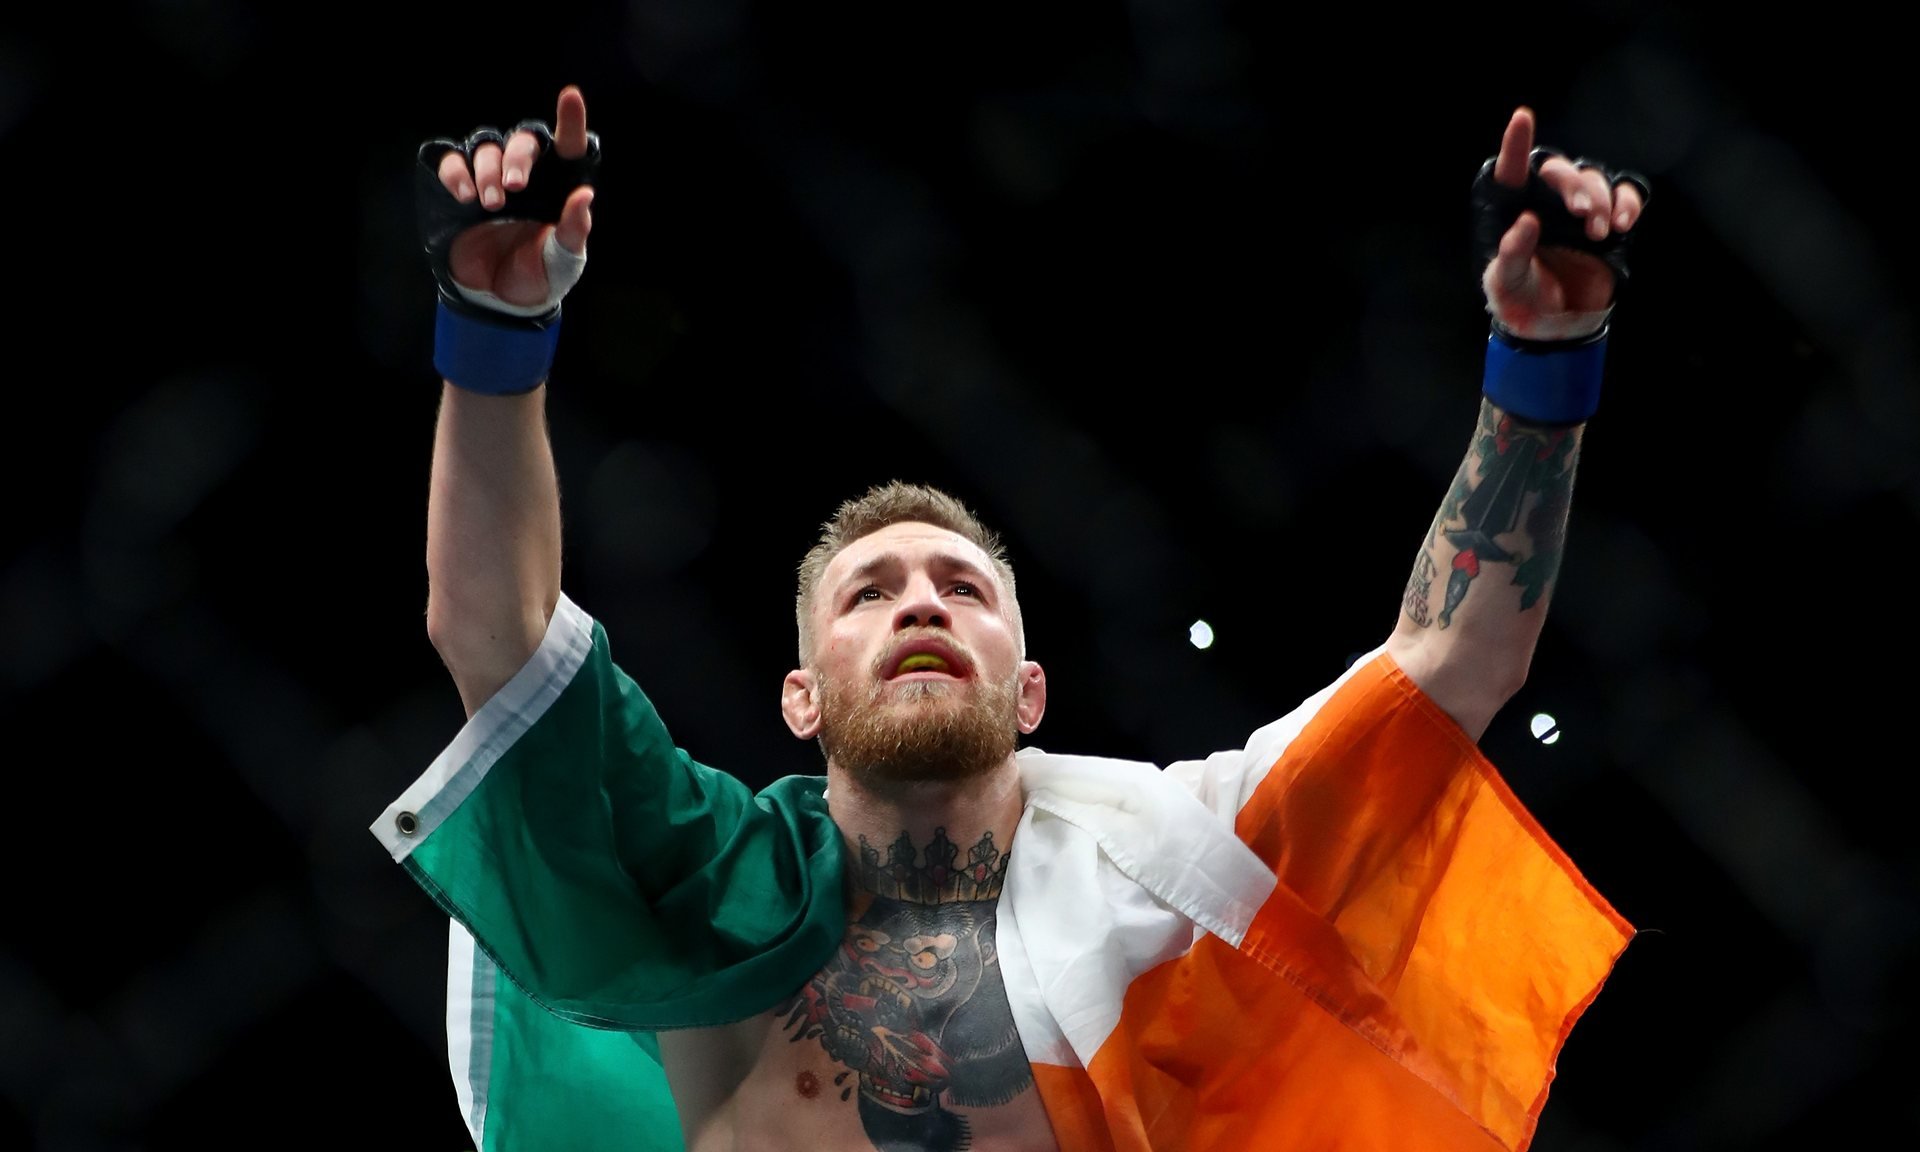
965	589
867	593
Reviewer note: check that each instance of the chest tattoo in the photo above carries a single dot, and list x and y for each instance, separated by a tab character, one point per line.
912	1003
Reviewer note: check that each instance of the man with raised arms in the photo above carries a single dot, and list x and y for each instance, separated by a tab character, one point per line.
1345	933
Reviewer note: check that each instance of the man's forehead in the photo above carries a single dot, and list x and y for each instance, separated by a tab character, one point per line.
912	541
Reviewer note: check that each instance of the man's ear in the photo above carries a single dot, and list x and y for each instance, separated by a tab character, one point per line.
1032	703
800	703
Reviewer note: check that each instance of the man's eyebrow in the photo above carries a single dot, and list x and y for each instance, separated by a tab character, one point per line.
866	571
954	560
944	560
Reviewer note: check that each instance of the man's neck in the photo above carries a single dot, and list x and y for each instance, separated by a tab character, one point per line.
927	843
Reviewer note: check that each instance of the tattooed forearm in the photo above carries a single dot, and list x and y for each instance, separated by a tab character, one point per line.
1508	505
1415	603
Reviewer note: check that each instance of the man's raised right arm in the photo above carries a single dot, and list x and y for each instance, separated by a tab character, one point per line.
505	217
493	537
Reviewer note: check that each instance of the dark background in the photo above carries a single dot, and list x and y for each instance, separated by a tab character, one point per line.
1177	293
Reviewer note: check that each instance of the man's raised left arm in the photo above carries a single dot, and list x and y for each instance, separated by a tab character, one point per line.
1554	232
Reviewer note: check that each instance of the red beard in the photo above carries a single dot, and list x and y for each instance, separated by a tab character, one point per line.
921	731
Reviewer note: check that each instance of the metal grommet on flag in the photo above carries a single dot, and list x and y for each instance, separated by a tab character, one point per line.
407	822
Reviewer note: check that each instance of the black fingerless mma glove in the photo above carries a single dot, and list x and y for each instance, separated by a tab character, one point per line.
1546	382
441	217
1496	207
497	348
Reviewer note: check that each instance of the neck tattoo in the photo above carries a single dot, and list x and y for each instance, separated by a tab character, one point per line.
939	877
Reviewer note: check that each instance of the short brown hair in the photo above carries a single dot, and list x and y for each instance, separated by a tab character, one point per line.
896	502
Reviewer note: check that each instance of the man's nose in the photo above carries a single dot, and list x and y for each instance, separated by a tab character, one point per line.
920	606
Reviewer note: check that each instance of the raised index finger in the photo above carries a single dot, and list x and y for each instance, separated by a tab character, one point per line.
1516	149
570	124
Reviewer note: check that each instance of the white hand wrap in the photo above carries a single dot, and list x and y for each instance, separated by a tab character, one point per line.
563	272
1544	325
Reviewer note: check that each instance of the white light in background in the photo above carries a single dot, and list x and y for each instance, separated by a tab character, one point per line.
1545	728
1201	634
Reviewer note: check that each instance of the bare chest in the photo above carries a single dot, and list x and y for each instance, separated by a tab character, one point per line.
903	1042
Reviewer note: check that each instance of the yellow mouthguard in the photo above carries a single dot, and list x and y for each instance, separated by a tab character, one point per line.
922	661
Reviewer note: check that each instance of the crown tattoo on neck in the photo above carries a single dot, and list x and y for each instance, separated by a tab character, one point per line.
940	878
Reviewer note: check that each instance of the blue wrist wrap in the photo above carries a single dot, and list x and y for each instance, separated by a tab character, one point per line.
1545	381
495	359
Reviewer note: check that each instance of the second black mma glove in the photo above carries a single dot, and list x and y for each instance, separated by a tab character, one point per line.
1496	207
1548	382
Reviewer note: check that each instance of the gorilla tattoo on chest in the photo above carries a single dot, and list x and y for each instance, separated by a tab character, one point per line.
913	1003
